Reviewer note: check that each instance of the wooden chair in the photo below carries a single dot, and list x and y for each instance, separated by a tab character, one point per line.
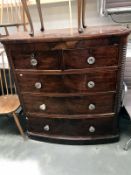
12	15
9	100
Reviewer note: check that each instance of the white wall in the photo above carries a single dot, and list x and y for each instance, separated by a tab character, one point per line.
56	15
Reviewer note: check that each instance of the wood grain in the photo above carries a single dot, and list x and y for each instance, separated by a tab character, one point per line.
61	35
9	104
77	58
76	127
70	105
69	83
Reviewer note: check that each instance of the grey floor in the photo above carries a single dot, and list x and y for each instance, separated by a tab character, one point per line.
18	157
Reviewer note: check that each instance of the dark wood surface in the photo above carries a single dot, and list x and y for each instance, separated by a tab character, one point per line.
66	59
67	34
64	74
69	83
70	105
77	59
46	60
74	127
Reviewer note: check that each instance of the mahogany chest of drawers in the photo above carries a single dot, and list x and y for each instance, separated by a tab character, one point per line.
70	84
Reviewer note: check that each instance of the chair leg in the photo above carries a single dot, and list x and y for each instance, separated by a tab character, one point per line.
83	13
127	145
25	6
18	125
79	6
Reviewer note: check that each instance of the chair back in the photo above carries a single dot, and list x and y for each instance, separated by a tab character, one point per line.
7	85
12	15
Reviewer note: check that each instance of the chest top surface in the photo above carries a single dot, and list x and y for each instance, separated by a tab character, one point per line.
66	34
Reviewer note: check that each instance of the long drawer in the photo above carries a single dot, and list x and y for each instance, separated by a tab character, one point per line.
66	59
70	105
93	81
73	127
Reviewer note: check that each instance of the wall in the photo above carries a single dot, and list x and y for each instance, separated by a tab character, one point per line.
56	15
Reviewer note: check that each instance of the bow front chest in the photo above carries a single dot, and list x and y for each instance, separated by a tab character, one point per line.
70	84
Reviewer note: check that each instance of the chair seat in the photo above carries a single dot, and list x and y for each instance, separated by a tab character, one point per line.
9	103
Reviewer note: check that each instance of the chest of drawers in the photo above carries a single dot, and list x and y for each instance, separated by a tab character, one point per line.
70	84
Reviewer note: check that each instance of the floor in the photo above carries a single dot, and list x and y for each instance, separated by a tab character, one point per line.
18	157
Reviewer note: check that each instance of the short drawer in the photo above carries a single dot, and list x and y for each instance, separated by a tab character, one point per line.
37	60
90	104
73	127
91	57
93	81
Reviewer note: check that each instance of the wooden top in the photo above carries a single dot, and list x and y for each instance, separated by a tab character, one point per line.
66	34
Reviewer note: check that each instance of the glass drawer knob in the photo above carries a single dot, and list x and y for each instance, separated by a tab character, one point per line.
43	107
91	60
38	85
46	128
92	107
91	84
92	129
33	62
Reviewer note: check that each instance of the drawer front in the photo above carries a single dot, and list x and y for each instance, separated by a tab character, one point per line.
89	58
41	60
73	127
95	81
91	104
35	58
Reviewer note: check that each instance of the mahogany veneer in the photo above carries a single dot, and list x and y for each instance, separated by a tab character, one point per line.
70	84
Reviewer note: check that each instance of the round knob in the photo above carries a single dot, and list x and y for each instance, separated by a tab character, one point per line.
92	129
46	128
21	75
91	60
91	84
43	107
92	107
38	85
33	62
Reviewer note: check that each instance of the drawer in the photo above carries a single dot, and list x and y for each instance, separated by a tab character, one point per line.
91	57
73	127
37	60
91	104
93	81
